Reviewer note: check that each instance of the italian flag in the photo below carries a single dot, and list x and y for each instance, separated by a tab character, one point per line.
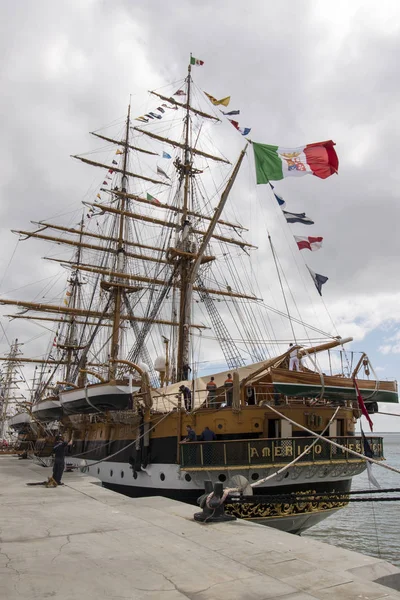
275	162
151	198
196	61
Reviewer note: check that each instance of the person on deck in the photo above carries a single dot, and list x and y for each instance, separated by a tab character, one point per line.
211	388
191	453
191	434
185	371
294	363
187	397
59	450
207	435
228	385
208	449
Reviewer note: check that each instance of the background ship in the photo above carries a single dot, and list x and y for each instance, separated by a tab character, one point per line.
161	269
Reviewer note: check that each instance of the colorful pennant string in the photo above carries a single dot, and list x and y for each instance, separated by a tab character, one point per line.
224	102
303	243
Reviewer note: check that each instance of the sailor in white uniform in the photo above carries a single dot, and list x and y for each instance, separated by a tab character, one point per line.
294	363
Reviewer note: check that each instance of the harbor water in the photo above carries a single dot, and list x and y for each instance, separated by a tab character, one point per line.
372	528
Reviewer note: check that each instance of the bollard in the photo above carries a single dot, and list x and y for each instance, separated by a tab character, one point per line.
213	509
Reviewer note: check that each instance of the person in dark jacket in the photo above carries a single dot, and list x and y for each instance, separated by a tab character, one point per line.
207	435
191	434
191	453
208	449
59	450
187	397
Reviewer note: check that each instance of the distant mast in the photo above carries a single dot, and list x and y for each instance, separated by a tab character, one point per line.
8	384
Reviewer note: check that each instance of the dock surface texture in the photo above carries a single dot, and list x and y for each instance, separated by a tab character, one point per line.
81	541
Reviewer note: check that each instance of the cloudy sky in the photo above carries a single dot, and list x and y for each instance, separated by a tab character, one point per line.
300	72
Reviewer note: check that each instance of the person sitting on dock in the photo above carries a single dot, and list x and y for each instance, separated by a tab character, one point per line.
187	397
59	449
228	385
211	388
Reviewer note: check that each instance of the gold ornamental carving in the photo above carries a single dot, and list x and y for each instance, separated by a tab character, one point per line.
265	510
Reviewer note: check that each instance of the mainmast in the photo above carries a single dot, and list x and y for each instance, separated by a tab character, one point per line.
120	263
190	265
185	284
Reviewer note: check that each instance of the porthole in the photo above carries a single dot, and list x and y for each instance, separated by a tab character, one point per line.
122	474
256	425
162	476
255	476
187	477
111	473
222	477
220	426
98	470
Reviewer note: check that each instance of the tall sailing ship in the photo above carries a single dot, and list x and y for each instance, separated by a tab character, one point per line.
17	431
161	272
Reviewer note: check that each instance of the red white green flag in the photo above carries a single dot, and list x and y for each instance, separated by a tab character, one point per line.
196	61
275	162
151	198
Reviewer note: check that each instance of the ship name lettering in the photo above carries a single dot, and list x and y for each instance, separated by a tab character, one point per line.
300	450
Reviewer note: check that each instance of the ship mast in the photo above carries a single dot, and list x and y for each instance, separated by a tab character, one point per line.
185	283
71	341
7	386
118	290
177	267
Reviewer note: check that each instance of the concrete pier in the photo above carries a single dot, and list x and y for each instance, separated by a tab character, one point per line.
80	541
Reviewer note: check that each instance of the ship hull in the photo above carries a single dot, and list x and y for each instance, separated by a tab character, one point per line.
296	523
170	481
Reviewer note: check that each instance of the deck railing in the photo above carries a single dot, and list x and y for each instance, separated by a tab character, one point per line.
257	452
